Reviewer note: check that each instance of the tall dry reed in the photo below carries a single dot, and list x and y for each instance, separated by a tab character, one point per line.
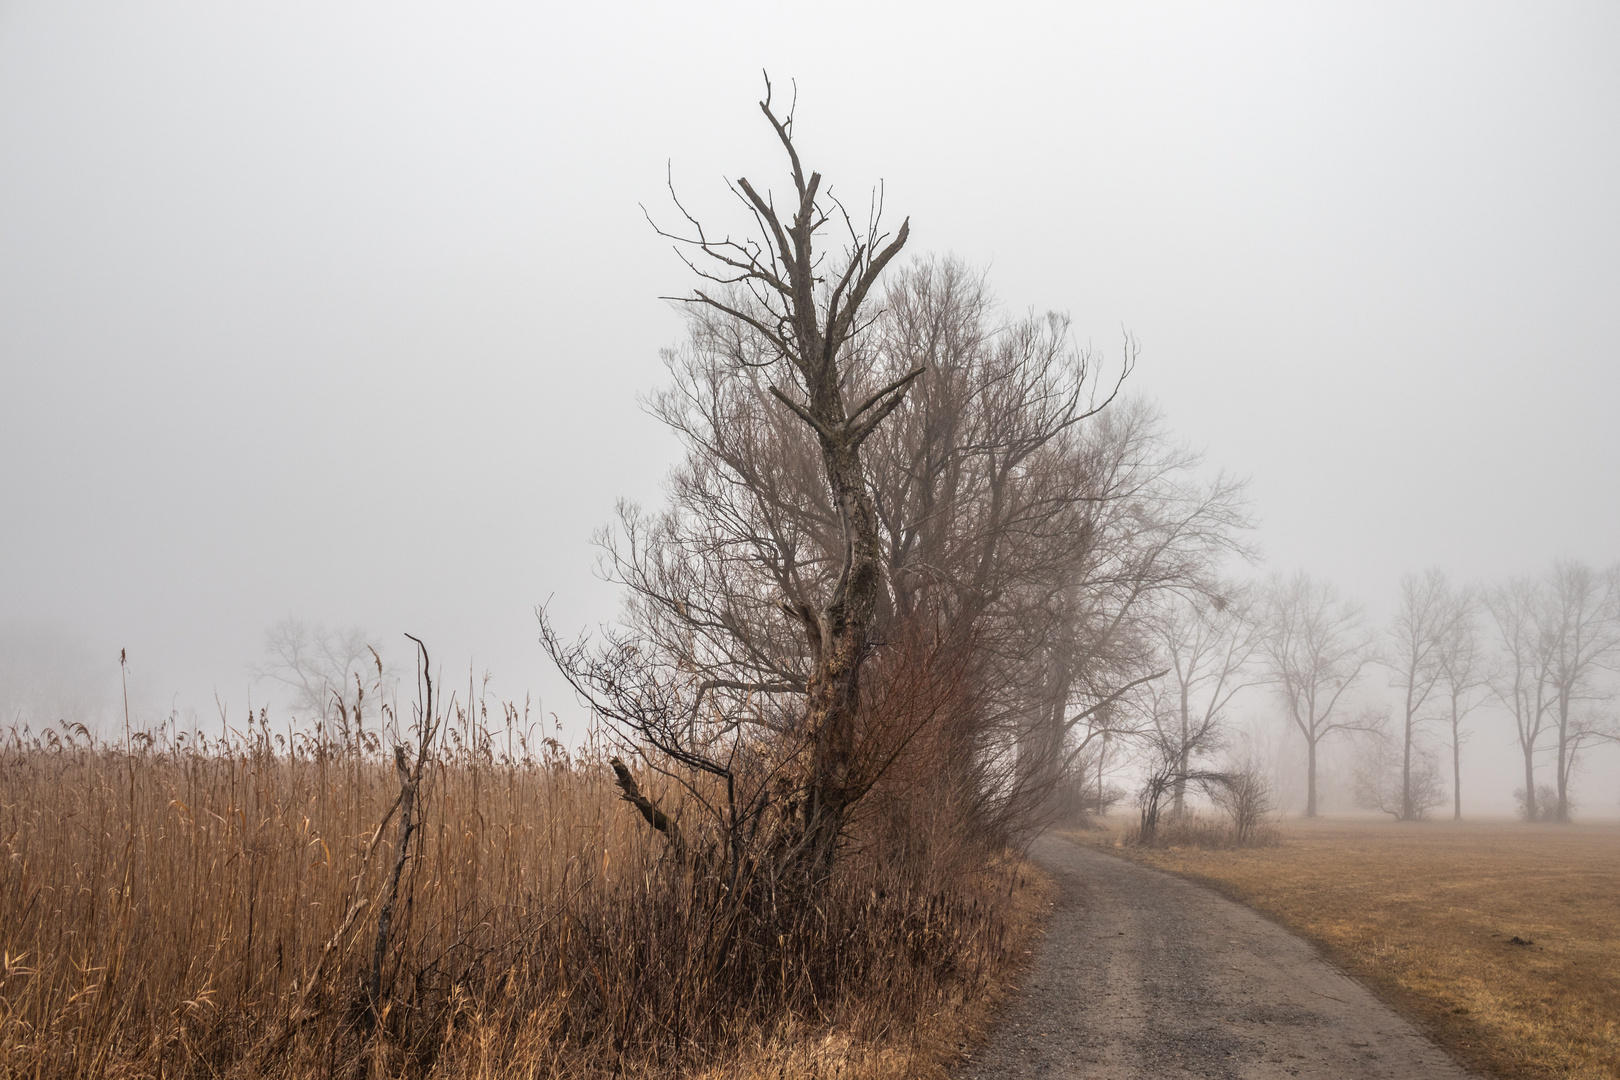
180	908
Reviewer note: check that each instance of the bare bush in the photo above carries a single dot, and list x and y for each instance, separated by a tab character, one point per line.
1164	777
1198	830
1249	802
1404	783
1541	806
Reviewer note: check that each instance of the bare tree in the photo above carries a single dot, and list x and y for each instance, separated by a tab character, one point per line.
1423	626
331	672
1521	682
1163	776
1018	513
1247	798
1403	782
1208	644
1463	674
1022	530
1315	646
1581	628
778	330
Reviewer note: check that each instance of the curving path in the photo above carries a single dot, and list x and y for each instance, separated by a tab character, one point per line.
1145	975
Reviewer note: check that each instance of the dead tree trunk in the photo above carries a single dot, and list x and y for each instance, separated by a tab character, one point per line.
808	314
410	783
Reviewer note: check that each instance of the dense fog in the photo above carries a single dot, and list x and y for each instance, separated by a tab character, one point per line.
320	326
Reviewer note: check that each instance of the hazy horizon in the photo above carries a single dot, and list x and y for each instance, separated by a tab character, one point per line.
341	315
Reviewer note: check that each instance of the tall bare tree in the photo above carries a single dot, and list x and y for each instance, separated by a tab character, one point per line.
330	672
1208	644
1581	628
786	321
1020	527
1423	626
1002	523
1316	646
1522	682
1018	511
1463	674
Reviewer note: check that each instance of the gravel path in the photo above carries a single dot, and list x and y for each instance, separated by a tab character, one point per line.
1144	975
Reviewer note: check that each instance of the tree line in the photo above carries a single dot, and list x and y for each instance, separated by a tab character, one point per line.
1538	648
924	558
911	562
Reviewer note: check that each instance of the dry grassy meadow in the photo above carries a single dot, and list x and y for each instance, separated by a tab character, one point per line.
1428	914
177	910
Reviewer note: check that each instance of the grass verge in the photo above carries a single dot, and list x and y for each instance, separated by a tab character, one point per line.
1503	939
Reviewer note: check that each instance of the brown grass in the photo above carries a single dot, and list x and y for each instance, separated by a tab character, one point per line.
210	911
1427	913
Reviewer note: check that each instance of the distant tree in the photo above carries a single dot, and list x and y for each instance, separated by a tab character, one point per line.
1581	625
1207	644
1401	781
1424	625
1556	634
1248	799
332	673
1462	675
1315	646
48	675
1521	681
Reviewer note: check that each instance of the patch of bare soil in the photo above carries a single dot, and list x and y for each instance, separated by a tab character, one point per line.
1145	975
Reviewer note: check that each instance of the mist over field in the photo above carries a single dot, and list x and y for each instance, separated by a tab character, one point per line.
321	320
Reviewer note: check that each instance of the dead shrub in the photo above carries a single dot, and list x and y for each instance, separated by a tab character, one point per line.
1195	830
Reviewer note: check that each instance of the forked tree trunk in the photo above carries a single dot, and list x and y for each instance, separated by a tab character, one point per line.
814	310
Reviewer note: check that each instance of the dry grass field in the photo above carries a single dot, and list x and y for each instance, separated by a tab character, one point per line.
1502	938
176	910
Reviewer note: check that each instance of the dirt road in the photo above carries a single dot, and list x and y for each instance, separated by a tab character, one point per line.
1145	975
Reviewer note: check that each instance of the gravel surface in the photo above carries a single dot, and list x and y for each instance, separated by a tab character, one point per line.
1142	974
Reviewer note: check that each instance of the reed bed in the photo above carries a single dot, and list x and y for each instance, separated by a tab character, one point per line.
174	907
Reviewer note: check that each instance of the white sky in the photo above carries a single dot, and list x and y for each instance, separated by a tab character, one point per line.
340	311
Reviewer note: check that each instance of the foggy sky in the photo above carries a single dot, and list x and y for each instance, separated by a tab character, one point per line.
341	312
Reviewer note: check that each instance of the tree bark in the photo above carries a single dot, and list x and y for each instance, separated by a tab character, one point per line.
1310	778
1562	813
1456	764
1530	809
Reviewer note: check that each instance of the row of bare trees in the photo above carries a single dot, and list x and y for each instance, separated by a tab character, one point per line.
1538	648
1543	650
922	555
1556	636
917	561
